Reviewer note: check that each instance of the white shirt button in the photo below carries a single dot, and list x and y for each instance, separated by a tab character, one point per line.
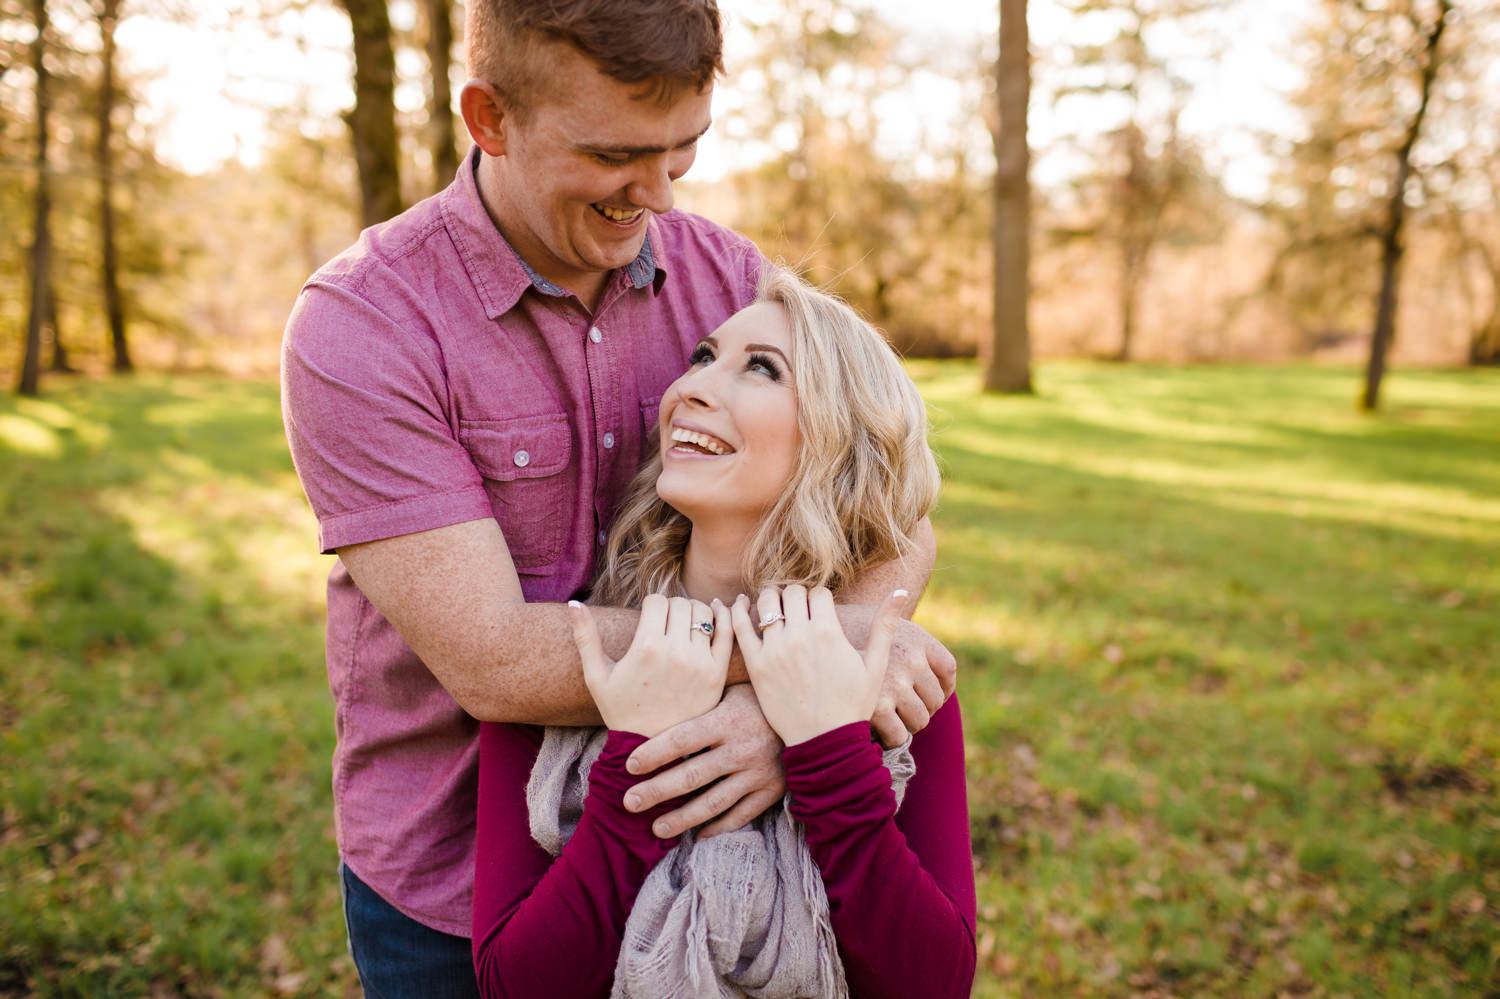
609	441
594	334
522	459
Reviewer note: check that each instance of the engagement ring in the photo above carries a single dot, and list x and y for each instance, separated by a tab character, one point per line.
707	627
771	618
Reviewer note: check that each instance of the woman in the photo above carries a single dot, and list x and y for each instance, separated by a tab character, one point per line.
792	458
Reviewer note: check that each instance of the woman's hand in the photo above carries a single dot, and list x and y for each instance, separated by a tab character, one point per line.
673	671
809	679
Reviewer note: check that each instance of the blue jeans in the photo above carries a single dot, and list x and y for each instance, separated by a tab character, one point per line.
398	957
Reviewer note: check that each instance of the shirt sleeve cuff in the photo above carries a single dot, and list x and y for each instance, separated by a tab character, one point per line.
609	780
420	513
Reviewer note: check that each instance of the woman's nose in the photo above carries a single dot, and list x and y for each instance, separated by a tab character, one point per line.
698	386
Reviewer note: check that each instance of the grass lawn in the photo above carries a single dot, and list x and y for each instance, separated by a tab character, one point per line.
1230	662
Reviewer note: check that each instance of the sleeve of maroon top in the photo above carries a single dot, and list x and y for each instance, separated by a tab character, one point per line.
547	926
900	884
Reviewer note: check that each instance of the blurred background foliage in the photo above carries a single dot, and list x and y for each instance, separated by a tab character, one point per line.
854	139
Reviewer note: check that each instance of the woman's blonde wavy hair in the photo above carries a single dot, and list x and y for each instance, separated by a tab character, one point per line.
863	480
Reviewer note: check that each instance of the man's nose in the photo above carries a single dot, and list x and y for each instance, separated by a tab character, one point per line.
652	186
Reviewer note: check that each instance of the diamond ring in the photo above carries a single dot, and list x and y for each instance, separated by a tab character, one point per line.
774	617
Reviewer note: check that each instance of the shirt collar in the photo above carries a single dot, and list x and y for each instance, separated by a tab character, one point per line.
499	275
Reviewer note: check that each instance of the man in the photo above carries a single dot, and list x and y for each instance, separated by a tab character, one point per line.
466	393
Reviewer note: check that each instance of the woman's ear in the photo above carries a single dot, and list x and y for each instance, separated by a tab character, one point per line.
485	116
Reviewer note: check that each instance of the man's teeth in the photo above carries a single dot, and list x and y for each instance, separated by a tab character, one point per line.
704	441
618	215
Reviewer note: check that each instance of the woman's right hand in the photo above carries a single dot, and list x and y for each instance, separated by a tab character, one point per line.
673	671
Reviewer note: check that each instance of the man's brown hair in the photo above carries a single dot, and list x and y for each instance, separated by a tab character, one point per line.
660	44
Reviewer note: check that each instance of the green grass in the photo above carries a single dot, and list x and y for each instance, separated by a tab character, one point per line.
1229	662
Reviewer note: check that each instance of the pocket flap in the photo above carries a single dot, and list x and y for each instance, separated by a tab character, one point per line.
528	447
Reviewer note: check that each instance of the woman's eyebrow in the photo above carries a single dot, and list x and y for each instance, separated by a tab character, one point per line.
766	346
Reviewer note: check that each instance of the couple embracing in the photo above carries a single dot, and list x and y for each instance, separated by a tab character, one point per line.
628	523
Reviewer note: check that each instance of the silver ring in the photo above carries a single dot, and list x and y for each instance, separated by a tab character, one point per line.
772	618
707	627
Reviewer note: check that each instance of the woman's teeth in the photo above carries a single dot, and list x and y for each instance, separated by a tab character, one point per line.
704	441
618	214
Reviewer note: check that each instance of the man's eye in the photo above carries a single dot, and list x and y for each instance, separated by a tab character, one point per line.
611	159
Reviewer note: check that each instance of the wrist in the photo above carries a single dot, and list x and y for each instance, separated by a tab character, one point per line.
796	735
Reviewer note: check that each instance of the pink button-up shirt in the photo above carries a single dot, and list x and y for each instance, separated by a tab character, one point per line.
430	378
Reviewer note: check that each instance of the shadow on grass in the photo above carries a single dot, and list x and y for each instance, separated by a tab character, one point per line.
164	752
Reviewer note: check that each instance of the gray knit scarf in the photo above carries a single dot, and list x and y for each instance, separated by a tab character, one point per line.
740	914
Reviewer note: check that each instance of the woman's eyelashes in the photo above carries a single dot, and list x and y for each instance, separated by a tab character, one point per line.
764	363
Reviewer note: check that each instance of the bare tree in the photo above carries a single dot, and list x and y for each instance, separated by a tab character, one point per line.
372	122
52	334
108	14
1391	244
41	242
1008	362
441	131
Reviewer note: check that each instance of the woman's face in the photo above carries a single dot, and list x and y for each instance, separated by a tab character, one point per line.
729	433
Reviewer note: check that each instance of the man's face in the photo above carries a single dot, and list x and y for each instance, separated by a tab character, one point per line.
580	175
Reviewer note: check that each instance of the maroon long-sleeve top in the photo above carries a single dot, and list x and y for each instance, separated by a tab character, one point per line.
900	884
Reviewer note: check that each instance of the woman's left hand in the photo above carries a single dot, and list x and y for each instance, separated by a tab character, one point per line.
807	676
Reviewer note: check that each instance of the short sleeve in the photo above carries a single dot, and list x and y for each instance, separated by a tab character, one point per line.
365	404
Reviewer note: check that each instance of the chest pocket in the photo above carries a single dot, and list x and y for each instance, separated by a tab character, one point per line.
525	465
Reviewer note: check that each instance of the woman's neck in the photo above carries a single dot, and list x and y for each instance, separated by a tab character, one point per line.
711	564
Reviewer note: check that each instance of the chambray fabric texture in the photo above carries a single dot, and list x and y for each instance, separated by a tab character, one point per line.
430	378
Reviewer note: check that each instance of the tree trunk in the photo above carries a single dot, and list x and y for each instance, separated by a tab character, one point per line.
1008	365
52	334
41	242
1130	293
1391	243
372	122
114	309
442	135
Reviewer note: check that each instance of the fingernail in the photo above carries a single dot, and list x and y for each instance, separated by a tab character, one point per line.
574	603
899	593
661	829
632	801
633	766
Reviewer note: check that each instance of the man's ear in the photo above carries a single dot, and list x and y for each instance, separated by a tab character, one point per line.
485	116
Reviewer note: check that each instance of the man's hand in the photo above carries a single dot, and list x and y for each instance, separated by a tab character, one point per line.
735	746
919	677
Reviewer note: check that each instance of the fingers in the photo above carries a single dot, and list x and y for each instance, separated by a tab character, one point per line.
943	665
794	604
722	645
682	739
590	649
686	777
653	621
744	628
719	802
679	617
882	630
912	712
820	605
929	690
743	813
888	726
768	606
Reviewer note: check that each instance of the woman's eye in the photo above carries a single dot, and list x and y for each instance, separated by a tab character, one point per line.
701	355
764	364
